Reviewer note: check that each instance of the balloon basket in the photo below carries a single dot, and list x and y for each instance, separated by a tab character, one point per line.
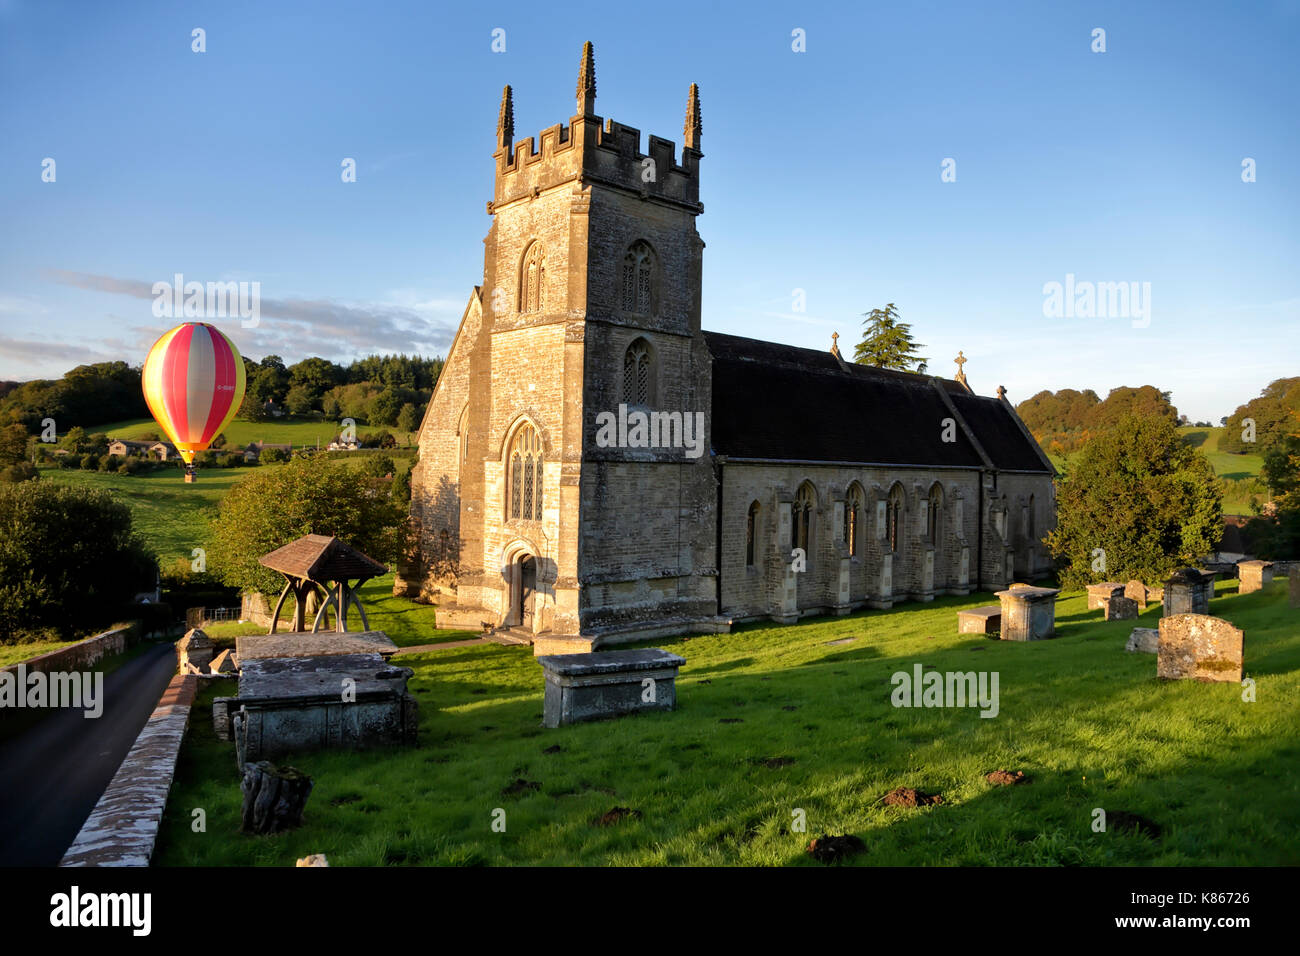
190	477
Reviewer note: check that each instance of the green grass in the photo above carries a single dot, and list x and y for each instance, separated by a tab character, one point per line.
1225	465
17	653
407	623
1089	723
171	515
240	432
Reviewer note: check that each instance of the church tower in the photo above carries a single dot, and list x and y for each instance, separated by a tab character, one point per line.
589	314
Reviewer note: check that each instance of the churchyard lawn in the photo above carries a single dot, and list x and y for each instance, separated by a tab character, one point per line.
772	720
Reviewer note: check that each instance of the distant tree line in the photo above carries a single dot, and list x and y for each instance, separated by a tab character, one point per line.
384	390
86	396
1064	421
389	390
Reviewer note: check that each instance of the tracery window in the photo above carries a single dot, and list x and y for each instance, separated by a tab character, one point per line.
638	279
525	480
637	373
532	279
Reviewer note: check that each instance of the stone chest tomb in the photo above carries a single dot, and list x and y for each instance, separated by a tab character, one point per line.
607	684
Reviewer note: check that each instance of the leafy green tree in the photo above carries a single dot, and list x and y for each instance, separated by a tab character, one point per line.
1271	413
315	376
887	343
69	559
13	445
306	496
299	400
378	466
408	420
1143	496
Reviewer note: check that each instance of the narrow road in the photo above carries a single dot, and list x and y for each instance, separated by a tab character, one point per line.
52	775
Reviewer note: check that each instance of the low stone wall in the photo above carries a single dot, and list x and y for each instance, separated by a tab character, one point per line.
123	827
254	607
83	654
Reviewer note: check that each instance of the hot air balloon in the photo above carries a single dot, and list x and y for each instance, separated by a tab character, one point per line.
194	383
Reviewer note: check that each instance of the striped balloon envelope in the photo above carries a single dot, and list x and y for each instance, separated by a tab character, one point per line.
194	383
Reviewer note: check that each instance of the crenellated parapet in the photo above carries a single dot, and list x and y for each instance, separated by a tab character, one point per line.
589	150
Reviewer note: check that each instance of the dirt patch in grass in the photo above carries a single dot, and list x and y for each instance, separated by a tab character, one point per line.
617	814
979	647
731	720
790	707
907	797
832	849
1006	778
553	749
774	763
1132	823
520	786
344	798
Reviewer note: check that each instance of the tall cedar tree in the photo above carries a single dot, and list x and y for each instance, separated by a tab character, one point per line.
1147	499
887	343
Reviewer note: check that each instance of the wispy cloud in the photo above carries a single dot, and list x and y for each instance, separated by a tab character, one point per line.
294	326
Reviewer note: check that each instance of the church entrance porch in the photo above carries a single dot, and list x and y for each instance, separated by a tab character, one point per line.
523	591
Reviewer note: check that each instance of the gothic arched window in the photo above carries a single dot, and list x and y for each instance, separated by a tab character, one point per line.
532	279
638	279
934	514
805	501
894	515
852	516
638	373
751	534
525	480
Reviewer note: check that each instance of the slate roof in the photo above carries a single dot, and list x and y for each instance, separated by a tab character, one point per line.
784	403
322	558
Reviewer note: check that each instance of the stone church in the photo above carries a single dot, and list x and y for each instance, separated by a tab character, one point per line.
594	464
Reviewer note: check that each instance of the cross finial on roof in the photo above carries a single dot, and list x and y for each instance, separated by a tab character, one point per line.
1002	392
961	360
835	344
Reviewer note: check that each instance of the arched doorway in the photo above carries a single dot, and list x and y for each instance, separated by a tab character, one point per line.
527	596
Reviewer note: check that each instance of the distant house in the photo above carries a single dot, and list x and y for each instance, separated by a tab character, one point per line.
350	445
270	408
253	451
161	450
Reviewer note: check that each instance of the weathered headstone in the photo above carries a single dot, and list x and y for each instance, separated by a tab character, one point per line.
1143	640
1099	594
194	652
1187	592
1121	608
1254	575
1137	591
1200	647
1028	614
606	684
980	620
274	797
224	663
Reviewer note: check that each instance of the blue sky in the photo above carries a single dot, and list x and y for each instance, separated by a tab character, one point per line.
821	173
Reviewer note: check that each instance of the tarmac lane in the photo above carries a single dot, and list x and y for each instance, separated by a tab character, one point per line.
53	773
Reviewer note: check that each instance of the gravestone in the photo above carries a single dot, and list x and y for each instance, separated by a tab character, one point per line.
194	652
1143	640
1254	575
1294	586
1187	592
1121	608
224	663
1137	591
1099	594
980	620
1200	647
1028	614
251	647
607	684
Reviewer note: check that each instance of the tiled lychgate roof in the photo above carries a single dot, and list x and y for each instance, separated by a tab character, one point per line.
783	403
321	558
